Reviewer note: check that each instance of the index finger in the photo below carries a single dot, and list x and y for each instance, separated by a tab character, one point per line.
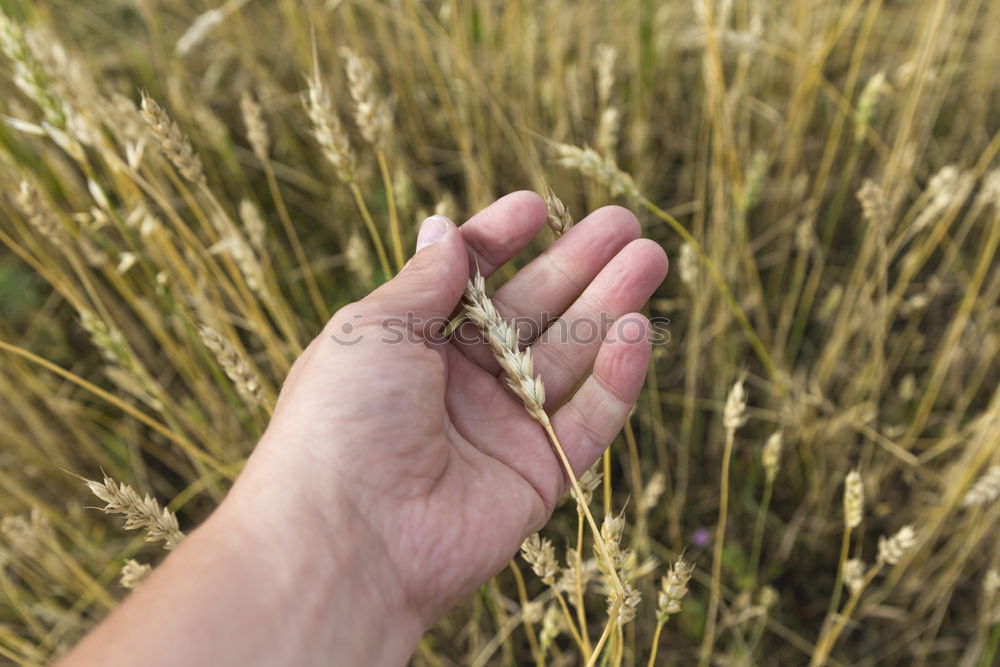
502	229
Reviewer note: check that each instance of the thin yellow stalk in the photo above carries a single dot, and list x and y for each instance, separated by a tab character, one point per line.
613	614
599	544
656	644
829	638
581	611
293	237
720	535
522	595
383	259
606	491
845	546
758	531
570	623
390	198
185	444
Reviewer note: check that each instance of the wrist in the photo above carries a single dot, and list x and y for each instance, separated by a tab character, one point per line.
326	573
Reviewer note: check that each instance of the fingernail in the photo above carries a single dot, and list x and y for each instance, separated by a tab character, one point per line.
431	230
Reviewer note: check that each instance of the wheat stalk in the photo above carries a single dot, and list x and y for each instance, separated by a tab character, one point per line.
672	591
519	370
734	415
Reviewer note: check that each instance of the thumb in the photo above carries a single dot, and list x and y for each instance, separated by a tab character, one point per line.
432	282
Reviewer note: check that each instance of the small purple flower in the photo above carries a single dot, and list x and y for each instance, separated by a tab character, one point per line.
701	537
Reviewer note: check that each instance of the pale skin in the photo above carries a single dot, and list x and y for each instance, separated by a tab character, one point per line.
398	473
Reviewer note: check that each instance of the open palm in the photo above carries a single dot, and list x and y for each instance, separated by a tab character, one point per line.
416	434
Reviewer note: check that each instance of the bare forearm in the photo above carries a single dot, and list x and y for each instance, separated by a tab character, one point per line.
247	589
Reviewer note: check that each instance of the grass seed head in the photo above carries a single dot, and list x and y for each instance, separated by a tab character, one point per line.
256	126
558	216
172	141
235	367
134	573
140	512
854	575
854	500
372	112
985	490
541	555
734	415
329	132
892	549
673	589
603	170
771	456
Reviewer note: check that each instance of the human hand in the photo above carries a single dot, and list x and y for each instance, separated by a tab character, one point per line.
418	437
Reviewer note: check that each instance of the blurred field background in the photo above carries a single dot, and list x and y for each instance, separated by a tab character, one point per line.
822	173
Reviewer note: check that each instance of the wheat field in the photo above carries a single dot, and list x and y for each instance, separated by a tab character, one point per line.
190	189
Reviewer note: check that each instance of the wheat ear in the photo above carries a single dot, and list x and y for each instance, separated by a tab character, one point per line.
139	511
519	369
